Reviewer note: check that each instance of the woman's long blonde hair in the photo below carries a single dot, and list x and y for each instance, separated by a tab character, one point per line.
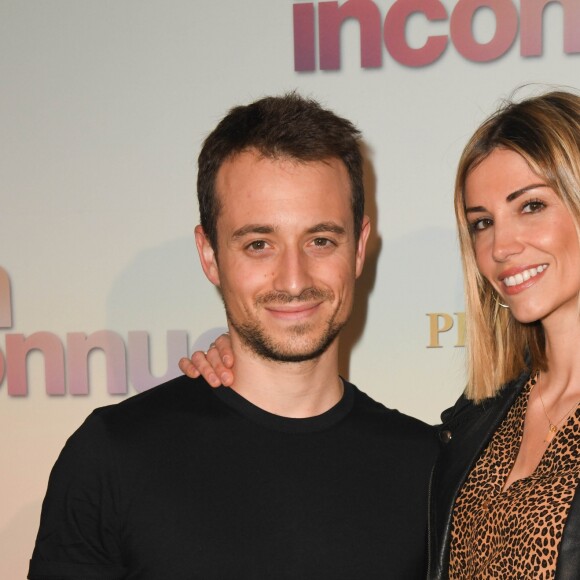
545	131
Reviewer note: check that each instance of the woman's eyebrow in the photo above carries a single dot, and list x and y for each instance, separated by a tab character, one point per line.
510	197
518	192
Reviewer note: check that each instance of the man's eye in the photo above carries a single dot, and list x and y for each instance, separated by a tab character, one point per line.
257	245
322	242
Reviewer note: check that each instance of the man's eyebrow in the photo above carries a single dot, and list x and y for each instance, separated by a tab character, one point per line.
511	197
252	229
329	227
322	227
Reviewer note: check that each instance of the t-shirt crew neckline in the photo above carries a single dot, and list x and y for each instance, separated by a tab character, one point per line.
286	424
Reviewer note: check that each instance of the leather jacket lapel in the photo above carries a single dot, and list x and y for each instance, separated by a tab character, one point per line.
467	429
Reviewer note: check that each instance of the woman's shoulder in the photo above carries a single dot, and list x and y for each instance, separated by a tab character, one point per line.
465	410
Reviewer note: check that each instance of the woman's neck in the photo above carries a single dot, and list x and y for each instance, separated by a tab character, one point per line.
562	354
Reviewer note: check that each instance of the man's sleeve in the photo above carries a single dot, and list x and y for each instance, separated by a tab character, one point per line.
79	534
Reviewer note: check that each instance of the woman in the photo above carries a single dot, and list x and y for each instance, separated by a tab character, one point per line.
504	501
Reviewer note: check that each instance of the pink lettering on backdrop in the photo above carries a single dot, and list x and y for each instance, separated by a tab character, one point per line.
5	300
531	20
304	37
139	370
5	311
17	350
332	15
71	368
506	29
76	363
396	24
79	346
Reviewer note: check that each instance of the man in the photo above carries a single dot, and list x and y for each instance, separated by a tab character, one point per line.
292	472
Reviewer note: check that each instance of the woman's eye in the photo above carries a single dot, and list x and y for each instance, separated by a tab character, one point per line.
533	206
480	224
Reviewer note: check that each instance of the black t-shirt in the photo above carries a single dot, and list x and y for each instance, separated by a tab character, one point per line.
186	482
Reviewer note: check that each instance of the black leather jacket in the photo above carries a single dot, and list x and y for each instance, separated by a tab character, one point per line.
464	433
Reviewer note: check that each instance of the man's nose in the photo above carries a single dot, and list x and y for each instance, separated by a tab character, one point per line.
293	272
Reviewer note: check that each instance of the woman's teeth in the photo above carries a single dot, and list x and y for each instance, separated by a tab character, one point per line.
523	276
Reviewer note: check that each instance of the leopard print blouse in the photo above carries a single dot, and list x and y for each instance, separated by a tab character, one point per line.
515	533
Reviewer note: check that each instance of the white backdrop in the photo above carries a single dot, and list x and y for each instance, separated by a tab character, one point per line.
103	106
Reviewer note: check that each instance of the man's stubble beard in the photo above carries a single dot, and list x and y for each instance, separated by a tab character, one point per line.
255	337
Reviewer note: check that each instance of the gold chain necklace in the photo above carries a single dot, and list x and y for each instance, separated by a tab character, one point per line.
553	427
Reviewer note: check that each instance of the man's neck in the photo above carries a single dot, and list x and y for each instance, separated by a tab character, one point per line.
295	390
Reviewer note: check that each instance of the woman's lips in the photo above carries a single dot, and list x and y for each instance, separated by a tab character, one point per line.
516	279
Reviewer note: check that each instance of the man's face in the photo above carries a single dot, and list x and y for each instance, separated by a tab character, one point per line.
287	257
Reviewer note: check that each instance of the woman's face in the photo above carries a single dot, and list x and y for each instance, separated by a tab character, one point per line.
525	240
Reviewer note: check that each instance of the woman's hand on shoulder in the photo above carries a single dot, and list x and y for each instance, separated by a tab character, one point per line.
214	365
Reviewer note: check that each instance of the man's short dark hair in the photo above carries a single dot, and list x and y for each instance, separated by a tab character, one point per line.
288	126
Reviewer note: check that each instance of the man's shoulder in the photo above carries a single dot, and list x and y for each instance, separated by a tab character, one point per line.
177	401
173	393
391	421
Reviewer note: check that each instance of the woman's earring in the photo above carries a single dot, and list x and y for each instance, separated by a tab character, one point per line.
497	301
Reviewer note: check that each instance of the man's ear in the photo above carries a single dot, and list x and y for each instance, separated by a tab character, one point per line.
362	245
207	256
